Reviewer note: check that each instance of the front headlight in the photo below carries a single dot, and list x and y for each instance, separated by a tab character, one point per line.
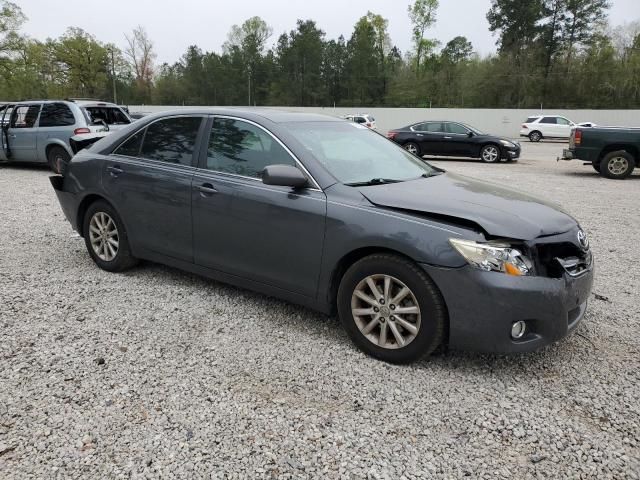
493	257
507	143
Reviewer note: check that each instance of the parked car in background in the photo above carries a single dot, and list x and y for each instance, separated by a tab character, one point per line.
39	131
539	127
614	152
362	119
410	256
453	139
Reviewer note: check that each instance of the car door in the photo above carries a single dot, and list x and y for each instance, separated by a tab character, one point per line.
430	137
269	234
457	140
564	127
549	127
21	136
148	178
56	123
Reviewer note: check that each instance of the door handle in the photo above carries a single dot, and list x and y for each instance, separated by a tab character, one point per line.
448	138
115	171
206	190
420	135
12	136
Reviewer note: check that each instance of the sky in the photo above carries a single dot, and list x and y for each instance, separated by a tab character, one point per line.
174	25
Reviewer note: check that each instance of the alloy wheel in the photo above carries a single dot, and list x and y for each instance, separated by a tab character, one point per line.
386	311
618	165
103	234
411	148
490	154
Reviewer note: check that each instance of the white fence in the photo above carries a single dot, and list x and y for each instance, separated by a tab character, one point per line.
499	122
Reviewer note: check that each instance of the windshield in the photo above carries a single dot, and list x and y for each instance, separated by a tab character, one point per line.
354	154
474	130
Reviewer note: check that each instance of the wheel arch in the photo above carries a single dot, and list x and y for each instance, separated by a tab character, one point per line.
358	254
615	147
56	142
84	205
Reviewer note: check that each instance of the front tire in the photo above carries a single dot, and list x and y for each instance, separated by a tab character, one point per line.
413	148
391	309
58	158
106	238
535	136
490	154
617	165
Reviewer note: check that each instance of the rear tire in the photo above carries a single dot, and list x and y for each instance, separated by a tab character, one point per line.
617	165
535	136
413	148
396	328
106	238
58	158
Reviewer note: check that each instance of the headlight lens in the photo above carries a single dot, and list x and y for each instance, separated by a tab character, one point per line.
507	143
493	257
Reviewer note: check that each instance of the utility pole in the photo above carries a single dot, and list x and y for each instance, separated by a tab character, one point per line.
113	75
249	70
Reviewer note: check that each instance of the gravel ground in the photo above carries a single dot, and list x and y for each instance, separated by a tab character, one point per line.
158	373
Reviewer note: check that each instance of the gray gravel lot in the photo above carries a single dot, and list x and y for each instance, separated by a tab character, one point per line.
158	373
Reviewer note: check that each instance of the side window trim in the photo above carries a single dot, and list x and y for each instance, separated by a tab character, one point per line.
202	160
14	113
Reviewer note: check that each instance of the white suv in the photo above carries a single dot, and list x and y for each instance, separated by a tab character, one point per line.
363	119
546	126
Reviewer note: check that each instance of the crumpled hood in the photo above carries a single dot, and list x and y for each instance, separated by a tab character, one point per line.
501	212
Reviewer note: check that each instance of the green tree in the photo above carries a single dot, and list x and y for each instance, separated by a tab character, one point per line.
581	23
83	63
248	43
457	50
423	16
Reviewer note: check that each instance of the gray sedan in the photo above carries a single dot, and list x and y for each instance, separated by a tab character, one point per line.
328	214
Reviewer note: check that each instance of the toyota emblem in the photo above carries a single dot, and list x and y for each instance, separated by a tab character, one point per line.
583	240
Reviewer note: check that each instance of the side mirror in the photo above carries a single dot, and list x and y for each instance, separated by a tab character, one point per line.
470	134
284	176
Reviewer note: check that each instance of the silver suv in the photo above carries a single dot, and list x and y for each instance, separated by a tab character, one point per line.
39	131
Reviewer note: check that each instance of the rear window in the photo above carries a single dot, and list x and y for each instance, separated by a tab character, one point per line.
110	115
56	115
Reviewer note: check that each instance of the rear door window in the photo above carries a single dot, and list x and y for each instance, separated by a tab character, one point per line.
549	120
433	127
172	140
240	148
56	115
25	116
457	129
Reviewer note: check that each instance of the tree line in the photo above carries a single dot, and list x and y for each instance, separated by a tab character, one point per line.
550	53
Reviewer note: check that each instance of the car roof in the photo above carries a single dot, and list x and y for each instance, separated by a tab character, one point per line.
274	115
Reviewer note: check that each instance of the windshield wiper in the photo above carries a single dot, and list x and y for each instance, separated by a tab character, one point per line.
373	181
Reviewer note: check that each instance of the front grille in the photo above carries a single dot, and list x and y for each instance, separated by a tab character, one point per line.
556	259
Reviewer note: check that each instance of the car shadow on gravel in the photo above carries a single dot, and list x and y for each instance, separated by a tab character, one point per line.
590	173
309	323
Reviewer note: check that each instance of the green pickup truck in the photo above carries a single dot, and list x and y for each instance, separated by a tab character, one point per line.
613	151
